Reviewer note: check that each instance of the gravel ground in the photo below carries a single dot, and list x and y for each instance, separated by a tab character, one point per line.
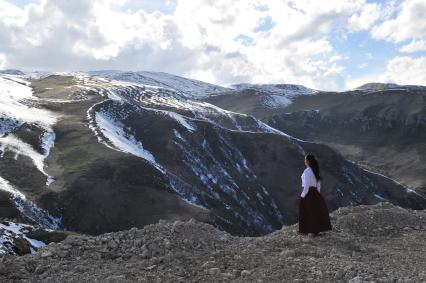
378	243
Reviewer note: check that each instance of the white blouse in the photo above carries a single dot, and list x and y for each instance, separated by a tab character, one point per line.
309	180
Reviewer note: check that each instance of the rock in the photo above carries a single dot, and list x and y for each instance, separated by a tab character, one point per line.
340	274
245	273
208	263
146	253
112	244
288	253
47	253
137	243
167	244
21	246
62	253
214	271
116	278
40	269
227	275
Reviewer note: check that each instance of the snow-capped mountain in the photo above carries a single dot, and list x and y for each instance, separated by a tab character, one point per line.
189	87
275	96
105	155
12	72
289	90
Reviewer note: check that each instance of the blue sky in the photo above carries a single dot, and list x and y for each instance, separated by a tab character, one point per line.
327	44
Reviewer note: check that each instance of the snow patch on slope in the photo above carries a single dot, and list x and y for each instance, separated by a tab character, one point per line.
17	106
9	231
280	95
276	101
114	131
189	87
289	90
217	180
182	120
28	209
14	144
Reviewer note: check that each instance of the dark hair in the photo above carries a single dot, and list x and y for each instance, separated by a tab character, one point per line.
313	163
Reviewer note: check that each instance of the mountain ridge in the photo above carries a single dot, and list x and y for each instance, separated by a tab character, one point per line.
237	86
118	148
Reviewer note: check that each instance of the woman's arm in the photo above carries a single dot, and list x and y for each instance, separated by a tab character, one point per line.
305	184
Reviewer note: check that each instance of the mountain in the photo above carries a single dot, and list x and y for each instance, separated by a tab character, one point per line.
94	155
289	90
389	86
381	128
378	86
273	95
377	243
12	72
188	87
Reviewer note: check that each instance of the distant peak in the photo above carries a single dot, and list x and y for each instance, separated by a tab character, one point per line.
378	86
279	89
12	72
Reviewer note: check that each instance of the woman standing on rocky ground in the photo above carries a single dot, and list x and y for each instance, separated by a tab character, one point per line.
313	211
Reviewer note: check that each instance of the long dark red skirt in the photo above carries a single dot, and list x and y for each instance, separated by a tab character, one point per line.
313	213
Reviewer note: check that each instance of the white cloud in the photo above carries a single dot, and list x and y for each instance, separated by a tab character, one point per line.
402	70
200	39
409	23
366	18
293	49
2	61
352	83
414	46
406	70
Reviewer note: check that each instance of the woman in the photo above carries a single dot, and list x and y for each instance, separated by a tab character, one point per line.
313	211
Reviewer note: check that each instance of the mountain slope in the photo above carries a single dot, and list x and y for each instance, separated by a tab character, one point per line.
117	155
189	87
384	130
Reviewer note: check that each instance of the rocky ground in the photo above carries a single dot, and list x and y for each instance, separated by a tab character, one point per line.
378	243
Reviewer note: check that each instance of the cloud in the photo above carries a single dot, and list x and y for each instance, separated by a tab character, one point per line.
403	70
285	41
82	35
366	18
2	61
406	70
409	23
223	42
414	46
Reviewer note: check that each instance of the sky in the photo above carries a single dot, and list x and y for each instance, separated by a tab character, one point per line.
327	44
